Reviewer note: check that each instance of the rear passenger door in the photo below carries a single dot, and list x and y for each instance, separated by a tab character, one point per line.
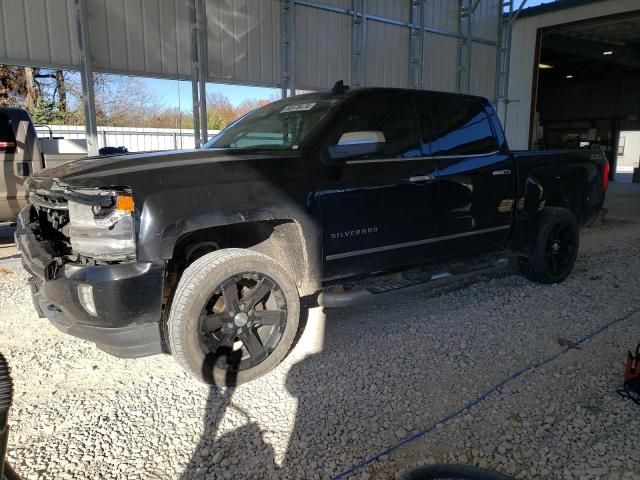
475	179
378	210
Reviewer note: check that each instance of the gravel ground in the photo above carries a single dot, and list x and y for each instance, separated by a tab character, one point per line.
381	373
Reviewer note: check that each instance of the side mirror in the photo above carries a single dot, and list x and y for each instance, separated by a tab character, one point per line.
354	144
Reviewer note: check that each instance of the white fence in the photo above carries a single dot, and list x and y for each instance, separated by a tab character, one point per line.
134	139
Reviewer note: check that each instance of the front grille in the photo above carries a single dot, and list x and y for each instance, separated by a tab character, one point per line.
49	201
51	215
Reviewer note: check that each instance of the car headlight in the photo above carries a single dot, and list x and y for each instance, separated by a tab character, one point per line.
101	225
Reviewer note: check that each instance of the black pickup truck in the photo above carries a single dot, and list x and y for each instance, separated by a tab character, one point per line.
207	254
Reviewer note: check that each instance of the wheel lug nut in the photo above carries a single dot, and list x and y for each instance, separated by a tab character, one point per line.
231	313
229	325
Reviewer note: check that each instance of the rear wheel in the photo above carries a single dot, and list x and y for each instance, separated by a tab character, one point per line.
554	251
234	317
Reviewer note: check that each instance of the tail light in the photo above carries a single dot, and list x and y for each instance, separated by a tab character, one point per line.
7	145
605	175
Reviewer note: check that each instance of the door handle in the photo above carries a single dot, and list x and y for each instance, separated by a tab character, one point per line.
501	172
422	178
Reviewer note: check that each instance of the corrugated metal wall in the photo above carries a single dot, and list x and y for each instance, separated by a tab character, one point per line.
440	62
322	47
387	55
522	61
483	70
243	41
38	32
140	37
152	38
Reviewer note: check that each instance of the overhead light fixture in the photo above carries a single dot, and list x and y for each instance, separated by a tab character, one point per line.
607	52
544	66
568	75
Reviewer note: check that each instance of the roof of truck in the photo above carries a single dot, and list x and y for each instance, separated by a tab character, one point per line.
365	90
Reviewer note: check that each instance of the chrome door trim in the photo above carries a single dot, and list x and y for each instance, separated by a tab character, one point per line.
415	243
413	159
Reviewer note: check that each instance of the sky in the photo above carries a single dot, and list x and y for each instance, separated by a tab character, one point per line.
531	3
175	93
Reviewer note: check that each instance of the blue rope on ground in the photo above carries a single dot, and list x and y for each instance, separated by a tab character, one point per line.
483	396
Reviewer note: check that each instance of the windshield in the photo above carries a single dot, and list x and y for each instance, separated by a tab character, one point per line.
284	124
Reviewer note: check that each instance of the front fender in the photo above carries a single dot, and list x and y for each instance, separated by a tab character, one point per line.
163	222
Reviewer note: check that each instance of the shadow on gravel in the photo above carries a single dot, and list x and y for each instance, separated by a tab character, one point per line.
351	400
386	371
246	447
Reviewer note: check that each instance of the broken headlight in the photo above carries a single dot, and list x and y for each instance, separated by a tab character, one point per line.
101	225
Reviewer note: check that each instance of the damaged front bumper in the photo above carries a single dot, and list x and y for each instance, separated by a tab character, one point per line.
127	297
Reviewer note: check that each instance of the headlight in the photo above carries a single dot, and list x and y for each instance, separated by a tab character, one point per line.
102	230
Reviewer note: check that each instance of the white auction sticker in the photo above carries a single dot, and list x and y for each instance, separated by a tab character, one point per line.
298	107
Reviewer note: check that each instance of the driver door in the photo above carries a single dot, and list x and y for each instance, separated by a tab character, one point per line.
380	211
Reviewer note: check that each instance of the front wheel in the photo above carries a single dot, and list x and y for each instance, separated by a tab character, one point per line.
234	317
555	248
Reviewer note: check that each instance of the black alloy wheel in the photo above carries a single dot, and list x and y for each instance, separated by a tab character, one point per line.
234	316
243	321
561	249
554	249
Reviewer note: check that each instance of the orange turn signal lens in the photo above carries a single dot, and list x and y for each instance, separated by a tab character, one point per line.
124	203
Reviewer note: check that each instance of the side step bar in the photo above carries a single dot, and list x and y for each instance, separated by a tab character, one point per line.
333	299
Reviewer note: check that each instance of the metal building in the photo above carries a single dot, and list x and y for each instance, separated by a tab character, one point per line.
450	45
590	29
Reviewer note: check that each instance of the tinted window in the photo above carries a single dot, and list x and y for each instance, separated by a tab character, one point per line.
393	115
454	126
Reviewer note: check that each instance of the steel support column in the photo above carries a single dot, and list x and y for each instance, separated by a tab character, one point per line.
201	19
416	44
507	16
86	78
197	16
359	43
466	9
287	48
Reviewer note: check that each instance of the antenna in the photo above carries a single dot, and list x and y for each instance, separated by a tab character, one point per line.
340	87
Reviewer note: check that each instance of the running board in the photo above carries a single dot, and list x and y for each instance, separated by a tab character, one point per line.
358	296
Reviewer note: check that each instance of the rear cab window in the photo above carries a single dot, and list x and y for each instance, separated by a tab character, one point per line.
454	126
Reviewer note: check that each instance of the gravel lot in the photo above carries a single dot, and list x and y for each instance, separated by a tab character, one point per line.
381	373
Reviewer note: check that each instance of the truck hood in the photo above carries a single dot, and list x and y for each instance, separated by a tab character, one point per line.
128	169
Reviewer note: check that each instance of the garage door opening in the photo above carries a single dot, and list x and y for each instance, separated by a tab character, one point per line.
585	91
628	153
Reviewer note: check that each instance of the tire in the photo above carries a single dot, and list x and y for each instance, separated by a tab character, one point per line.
217	344
554	251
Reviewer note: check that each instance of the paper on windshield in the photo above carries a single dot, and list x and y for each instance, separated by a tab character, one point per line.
298	107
